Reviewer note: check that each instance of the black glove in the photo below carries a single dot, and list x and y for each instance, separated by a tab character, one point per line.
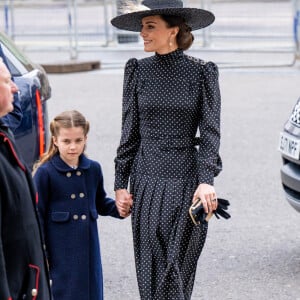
222	206
198	215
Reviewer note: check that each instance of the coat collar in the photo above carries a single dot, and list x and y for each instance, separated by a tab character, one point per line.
6	137
60	165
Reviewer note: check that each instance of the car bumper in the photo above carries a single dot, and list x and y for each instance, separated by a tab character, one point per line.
290	177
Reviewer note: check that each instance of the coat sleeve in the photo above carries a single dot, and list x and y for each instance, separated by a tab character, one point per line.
209	161
130	137
4	289
105	206
41	181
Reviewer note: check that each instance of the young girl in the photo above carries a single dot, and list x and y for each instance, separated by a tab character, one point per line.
70	197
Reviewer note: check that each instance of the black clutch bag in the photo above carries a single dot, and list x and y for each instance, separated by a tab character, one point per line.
199	216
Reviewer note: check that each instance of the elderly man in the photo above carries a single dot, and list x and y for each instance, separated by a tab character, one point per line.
23	268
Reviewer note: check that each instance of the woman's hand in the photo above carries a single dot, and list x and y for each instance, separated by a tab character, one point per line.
123	202
208	197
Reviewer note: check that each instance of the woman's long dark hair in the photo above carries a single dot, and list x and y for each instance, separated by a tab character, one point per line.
184	37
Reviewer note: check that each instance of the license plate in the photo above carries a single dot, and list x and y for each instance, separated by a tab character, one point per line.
289	145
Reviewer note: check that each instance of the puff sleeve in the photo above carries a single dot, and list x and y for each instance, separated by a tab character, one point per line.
130	137
210	163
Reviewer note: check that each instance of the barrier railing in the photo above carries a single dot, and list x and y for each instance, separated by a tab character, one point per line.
297	27
81	26
71	25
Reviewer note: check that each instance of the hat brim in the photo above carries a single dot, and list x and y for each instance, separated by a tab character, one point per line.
195	18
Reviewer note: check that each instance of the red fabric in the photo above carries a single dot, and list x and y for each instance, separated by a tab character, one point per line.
37	269
6	139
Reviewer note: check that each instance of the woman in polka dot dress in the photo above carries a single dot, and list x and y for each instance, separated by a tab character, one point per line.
166	99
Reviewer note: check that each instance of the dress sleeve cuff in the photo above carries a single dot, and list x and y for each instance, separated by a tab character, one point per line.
206	177
120	183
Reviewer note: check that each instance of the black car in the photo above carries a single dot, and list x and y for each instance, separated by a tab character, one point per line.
289	146
31	132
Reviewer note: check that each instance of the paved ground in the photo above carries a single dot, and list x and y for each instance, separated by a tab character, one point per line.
255	255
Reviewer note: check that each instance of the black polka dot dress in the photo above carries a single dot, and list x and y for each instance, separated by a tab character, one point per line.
166	99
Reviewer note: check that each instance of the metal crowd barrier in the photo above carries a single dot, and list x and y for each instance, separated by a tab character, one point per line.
297	27
84	25
71	25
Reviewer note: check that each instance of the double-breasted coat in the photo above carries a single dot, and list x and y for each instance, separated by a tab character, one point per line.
23	268
69	203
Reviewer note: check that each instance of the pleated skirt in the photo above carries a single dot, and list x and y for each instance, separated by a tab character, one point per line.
167	244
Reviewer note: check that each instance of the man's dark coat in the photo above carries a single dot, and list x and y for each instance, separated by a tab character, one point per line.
23	269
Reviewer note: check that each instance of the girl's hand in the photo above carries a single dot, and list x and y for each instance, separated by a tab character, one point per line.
123	202
208	197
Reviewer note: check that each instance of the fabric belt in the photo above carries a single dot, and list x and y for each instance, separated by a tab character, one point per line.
169	143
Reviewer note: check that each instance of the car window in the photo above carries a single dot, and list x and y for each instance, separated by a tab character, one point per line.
15	66
19	64
13	70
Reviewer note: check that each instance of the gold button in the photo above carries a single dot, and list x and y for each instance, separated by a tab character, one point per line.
83	217
34	292
75	217
73	196
81	195
78	173
69	174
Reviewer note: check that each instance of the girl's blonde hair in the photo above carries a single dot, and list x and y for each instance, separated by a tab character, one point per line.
66	119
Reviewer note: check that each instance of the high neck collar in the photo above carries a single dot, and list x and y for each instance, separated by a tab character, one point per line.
60	165
170	57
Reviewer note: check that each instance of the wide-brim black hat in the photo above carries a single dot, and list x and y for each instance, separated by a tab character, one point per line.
131	18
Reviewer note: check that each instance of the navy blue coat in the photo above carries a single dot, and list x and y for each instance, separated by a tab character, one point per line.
69	202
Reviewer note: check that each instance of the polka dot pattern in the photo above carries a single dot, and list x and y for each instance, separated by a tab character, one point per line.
166	100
